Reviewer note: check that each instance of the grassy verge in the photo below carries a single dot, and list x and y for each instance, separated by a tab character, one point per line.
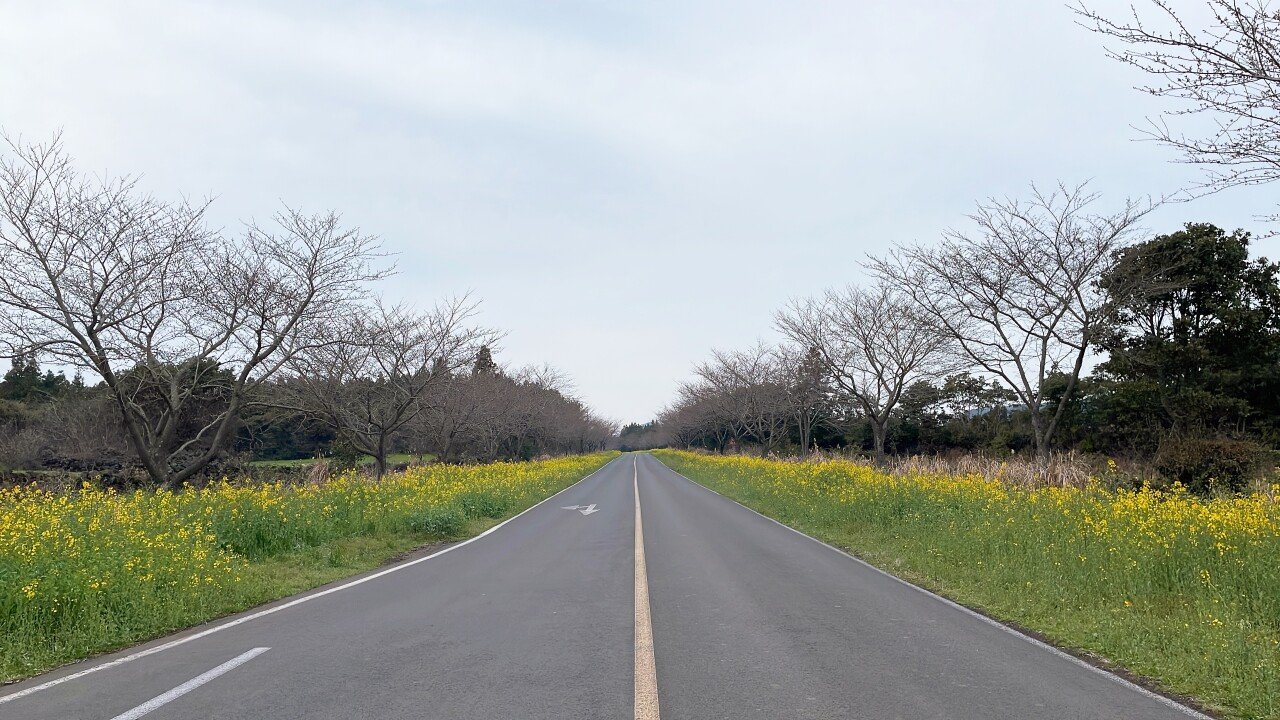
1179	589
94	570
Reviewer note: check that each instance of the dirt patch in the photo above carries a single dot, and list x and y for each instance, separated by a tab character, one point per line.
420	551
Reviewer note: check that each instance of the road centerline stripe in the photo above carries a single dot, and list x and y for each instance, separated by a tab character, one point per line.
188	686
646	669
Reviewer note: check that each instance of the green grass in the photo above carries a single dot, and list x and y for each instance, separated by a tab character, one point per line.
1177	589
93	570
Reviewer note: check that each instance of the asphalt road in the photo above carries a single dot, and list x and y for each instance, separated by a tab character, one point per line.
544	617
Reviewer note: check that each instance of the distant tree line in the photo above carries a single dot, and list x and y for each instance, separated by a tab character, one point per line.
983	344
192	349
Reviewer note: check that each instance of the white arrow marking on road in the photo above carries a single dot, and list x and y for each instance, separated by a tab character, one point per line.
584	509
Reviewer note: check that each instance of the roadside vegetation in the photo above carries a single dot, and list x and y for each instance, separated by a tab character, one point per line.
1182	333
1175	587
94	569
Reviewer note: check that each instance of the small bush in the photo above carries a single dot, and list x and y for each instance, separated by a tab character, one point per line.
1211	464
447	521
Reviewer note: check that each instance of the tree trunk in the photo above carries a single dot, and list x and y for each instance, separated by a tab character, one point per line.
159	473
446	455
1042	442
380	457
878	432
1043	456
215	444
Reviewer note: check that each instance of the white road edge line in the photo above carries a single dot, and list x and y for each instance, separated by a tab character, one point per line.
646	694
189	685
268	611
1169	702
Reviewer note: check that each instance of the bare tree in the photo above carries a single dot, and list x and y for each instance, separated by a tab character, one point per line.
539	414
378	370
168	313
1018	294
489	413
1229	70
873	342
698	417
809	394
751	390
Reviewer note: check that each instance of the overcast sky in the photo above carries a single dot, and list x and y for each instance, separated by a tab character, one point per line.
626	185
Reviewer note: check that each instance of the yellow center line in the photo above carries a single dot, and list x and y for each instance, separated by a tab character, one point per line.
646	705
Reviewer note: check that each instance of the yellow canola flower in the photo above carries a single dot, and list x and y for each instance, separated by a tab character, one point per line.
109	553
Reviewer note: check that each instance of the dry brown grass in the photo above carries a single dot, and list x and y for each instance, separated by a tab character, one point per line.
1064	469
1069	469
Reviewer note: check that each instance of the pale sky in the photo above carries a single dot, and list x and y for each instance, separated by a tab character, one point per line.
625	185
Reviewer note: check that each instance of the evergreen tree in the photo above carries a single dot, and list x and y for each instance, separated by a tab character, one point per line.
25	383
484	362
1195	348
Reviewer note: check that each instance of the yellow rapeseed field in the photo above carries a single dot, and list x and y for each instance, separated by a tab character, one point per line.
1184	588
84	570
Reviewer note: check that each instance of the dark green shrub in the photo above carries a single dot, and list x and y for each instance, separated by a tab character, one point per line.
1211	464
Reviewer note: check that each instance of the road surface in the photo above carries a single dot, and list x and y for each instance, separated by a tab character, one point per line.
546	617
